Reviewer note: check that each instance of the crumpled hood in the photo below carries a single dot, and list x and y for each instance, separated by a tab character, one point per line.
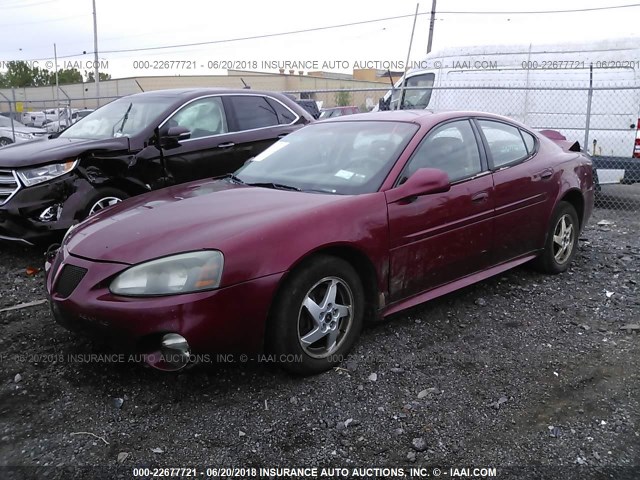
40	152
193	216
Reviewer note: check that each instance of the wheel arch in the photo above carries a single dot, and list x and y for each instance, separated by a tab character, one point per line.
576	199
129	186
355	257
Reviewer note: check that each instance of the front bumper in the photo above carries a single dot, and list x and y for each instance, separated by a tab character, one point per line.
226	320
19	216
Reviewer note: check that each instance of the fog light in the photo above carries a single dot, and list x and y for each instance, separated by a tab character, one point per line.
173	354
51	213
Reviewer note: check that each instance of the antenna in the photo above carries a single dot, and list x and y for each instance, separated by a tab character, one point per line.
246	87
406	65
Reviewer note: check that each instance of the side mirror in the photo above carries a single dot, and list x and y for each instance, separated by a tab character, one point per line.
424	181
384	105
174	135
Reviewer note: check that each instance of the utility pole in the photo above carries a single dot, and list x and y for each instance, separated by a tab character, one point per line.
55	57
95	53
431	24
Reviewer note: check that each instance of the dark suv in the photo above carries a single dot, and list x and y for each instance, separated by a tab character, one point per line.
132	145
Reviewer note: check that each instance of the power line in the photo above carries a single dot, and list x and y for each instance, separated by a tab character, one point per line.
43	21
342	25
543	12
27	5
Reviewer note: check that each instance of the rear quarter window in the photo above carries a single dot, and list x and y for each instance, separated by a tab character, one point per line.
285	116
529	141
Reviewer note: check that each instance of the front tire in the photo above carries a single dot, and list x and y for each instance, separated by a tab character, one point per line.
562	240
4	141
103	198
317	316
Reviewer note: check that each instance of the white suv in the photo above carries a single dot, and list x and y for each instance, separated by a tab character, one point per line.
22	132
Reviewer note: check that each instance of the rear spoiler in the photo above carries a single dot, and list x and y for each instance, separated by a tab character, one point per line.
561	140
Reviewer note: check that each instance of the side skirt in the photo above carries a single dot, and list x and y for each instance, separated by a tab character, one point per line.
455	285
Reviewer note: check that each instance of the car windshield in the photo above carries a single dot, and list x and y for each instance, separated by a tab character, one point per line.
418	98
330	113
6	122
123	117
343	157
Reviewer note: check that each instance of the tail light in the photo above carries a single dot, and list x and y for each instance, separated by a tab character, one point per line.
636	147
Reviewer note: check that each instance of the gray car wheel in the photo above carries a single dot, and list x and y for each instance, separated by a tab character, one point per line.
317	316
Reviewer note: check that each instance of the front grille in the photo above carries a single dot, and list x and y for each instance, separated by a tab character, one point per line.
69	279
8	185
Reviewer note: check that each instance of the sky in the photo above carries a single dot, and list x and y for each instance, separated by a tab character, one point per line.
31	27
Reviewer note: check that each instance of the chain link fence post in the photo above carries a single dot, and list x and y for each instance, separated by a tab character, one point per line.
588	120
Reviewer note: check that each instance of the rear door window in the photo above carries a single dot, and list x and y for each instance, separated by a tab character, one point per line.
505	142
253	111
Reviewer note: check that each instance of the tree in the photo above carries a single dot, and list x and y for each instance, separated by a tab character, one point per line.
343	99
20	74
67	76
101	75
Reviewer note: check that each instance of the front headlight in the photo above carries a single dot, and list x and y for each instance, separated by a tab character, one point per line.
24	136
34	176
183	273
66	235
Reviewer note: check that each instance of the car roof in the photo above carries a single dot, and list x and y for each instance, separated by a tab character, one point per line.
197	92
421	117
181	95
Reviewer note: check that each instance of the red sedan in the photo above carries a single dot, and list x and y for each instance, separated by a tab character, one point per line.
342	222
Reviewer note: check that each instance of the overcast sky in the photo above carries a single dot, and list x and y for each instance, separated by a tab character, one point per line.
30	28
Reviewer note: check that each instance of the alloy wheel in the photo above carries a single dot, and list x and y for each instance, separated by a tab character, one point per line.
325	317
563	239
103	203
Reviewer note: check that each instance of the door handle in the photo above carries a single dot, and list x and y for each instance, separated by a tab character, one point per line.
479	197
226	145
282	135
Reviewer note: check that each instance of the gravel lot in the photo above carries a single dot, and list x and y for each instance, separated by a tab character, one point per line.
520	370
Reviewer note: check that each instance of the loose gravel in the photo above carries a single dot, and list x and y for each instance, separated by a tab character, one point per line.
520	370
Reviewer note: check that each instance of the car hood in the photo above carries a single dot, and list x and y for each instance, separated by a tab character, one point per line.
53	150
189	217
22	129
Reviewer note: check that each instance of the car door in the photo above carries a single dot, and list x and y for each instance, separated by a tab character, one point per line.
438	238
208	152
523	185
258	121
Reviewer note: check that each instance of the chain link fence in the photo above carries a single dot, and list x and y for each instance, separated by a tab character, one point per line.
604	120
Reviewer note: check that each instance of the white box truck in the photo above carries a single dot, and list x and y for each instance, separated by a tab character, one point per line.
545	87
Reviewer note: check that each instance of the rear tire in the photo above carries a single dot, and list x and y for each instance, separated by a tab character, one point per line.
4	141
562	240
317	316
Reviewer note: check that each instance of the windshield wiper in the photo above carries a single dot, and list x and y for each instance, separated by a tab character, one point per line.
124	119
277	186
235	179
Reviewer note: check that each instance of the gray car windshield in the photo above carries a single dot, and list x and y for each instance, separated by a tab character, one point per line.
124	117
343	157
